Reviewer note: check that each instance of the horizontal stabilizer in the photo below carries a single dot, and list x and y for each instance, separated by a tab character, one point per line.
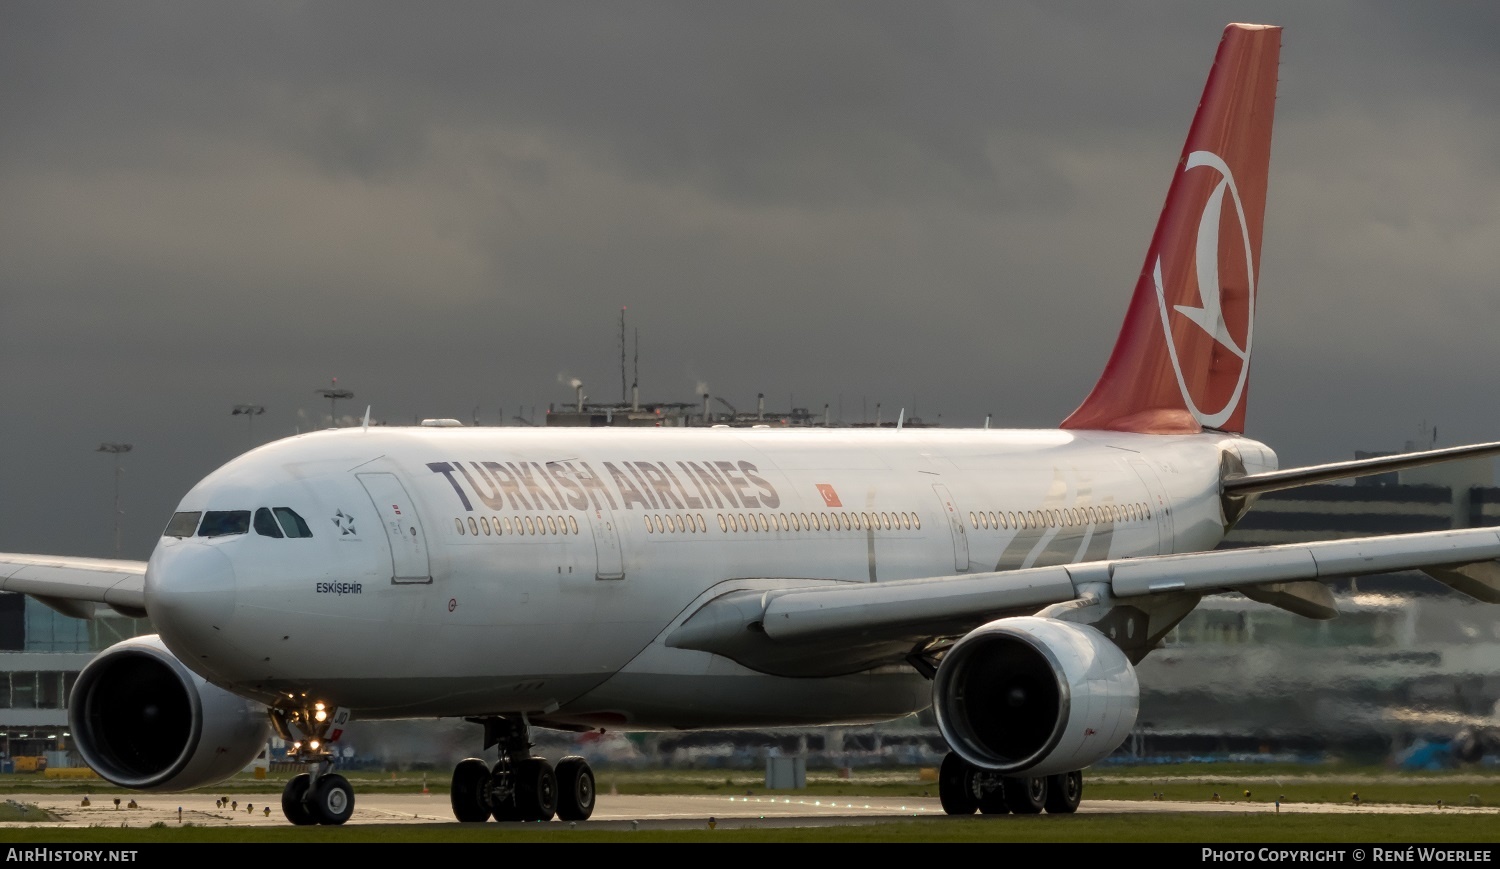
1291	478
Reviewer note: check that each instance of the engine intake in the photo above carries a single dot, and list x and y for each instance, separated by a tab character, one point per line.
1035	696
143	720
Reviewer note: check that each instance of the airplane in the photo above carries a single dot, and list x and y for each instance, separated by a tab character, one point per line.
608	579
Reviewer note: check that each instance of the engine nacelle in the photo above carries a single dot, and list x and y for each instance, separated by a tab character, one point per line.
1034	696
143	720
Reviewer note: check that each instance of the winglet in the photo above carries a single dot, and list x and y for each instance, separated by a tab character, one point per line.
1182	360
367	417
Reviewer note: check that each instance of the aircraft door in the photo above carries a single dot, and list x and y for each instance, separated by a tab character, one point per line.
403	528
606	543
955	526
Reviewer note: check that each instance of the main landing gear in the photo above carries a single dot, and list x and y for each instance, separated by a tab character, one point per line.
319	796
965	788
520	787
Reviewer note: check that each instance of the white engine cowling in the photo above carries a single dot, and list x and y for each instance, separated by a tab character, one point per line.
143	720
1035	696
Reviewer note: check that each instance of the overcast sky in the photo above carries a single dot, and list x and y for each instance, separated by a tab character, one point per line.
936	206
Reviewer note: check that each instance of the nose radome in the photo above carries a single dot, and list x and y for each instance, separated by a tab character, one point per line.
190	593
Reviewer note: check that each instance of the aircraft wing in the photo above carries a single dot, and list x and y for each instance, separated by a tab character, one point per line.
863	623
74	586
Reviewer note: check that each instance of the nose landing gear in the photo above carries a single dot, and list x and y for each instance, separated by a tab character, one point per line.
320	796
520	787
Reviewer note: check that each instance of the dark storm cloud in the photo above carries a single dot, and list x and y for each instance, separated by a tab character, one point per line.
936	206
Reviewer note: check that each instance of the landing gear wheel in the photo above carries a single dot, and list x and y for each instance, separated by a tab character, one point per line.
956	785
470	791
536	789
333	799
1026	795
1064	792
575	789
294	801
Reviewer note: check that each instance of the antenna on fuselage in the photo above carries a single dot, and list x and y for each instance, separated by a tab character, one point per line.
901	418
367	418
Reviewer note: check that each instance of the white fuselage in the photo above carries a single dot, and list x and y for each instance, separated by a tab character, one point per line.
474	571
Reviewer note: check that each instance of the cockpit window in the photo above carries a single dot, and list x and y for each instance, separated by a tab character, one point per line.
265	524
291	523
182	525
218	523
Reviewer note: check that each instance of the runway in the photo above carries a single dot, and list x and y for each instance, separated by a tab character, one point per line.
619	811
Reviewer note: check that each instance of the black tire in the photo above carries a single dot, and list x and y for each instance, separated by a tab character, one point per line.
332	800
294	801
956	785
470	791
1026	795
575	789
1064	792
536	789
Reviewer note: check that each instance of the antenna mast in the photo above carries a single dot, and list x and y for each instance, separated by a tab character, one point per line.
622	354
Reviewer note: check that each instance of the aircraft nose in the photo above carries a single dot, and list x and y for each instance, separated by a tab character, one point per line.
190	595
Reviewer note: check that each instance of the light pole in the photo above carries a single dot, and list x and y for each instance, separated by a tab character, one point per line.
116	449
250	411
333	395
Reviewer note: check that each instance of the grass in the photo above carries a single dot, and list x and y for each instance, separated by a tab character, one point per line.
1132	827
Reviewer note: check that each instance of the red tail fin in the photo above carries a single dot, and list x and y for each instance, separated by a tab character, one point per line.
1182	361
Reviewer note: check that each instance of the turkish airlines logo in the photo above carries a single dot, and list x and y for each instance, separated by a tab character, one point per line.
1209	315
830	497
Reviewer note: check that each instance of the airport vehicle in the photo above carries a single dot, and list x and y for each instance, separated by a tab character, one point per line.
699	578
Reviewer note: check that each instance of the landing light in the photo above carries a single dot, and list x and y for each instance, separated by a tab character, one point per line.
313	745
320	715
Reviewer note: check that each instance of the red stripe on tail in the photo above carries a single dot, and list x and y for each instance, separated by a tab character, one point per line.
1182	361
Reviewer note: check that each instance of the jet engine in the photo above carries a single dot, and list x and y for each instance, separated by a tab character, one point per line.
143	720
1035	696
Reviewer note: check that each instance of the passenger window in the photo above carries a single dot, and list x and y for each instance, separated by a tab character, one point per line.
473	527
182	525
659	525
916	521
702	526
222	523
723	526
458	524
572	525
647	520
530	529
551	525
291	523
265	524
785	524
740	520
